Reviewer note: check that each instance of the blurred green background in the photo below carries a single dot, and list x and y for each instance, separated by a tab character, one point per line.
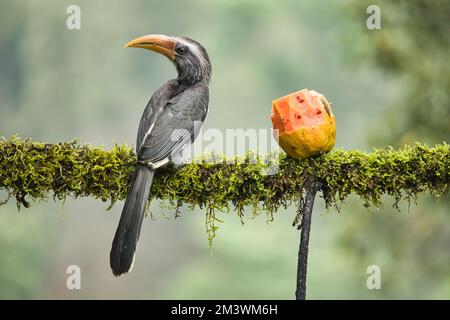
388	87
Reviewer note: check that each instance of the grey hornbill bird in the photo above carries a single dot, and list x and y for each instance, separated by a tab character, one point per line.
170	122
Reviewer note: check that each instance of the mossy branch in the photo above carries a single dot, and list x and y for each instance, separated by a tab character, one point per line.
34	171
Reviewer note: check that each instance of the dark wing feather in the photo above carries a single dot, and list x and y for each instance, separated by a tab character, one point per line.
154	109
177	125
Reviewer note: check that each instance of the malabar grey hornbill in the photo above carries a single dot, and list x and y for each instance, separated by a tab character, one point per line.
170	122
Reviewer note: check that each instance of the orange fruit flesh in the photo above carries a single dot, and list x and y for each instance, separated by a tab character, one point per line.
305	123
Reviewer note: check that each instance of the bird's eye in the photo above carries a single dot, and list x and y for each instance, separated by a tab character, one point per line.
181	50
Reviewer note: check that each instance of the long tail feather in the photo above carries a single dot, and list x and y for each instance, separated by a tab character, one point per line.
127	233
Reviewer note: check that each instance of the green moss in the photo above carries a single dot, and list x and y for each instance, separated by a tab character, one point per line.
34	171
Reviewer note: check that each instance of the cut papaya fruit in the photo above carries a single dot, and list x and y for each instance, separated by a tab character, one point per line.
304	124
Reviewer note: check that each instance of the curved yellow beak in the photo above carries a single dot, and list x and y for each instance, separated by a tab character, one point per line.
155	42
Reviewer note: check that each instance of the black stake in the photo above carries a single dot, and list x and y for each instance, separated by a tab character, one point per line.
311	189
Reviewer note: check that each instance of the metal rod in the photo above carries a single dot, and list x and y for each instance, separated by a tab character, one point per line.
311	190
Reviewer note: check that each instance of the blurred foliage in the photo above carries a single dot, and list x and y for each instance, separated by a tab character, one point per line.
413	46
24	269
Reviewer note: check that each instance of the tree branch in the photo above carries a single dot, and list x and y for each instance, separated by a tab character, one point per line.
33	171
